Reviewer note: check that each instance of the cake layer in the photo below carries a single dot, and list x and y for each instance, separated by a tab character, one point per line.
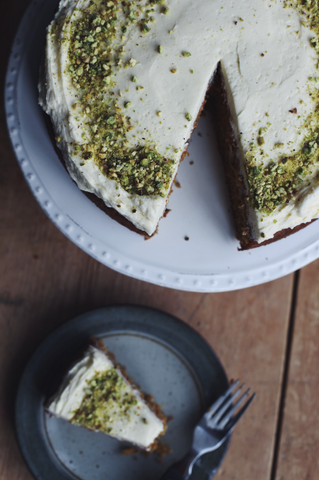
124	83
95	394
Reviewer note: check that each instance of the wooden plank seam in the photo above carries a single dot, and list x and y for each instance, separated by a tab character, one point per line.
284	384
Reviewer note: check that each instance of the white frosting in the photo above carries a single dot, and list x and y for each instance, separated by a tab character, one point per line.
261	90
302	210
141	426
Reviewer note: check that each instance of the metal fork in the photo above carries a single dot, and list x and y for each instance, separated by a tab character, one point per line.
212	430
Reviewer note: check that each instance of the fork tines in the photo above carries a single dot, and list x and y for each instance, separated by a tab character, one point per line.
222	412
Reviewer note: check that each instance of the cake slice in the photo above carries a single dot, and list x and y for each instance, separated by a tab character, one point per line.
96	393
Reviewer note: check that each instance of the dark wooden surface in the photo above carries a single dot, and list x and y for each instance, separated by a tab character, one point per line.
267	335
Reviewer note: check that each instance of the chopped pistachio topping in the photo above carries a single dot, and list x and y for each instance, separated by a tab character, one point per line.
105	394
173	70
160	49
188	117
145	28
165	10
276	184
132	62
96	47
186	54
159	114
141	171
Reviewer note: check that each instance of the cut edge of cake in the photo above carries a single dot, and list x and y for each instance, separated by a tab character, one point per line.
52	406
231	154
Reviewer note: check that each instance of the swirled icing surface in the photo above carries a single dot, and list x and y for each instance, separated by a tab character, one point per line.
125	81
95	394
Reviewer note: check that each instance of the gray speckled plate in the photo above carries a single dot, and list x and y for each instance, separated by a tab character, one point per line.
164	356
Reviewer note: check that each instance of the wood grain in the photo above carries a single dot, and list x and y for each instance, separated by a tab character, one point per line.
298	453
46	280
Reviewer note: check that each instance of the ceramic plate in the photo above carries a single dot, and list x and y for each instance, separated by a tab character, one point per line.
195	248
164	356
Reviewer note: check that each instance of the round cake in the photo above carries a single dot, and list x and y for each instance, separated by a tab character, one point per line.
124	84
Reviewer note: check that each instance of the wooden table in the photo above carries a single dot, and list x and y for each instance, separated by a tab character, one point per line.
267	335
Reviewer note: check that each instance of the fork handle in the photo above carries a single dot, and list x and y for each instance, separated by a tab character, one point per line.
179	470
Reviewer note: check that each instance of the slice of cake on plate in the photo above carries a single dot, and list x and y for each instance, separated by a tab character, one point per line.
124	83
96	393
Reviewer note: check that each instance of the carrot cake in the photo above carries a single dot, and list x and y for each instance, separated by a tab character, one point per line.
125	81
96	393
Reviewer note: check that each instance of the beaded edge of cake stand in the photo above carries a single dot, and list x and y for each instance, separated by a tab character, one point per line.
95	248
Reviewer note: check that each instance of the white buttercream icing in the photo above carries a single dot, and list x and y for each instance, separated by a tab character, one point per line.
140	425
267	60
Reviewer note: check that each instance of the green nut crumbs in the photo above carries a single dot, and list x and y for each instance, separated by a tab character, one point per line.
140	171
132	62
145	28
188	117
173	70
186	54
95	51
105	393
276	184
160	49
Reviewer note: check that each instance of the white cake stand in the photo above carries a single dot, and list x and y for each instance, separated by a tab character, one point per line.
209	261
